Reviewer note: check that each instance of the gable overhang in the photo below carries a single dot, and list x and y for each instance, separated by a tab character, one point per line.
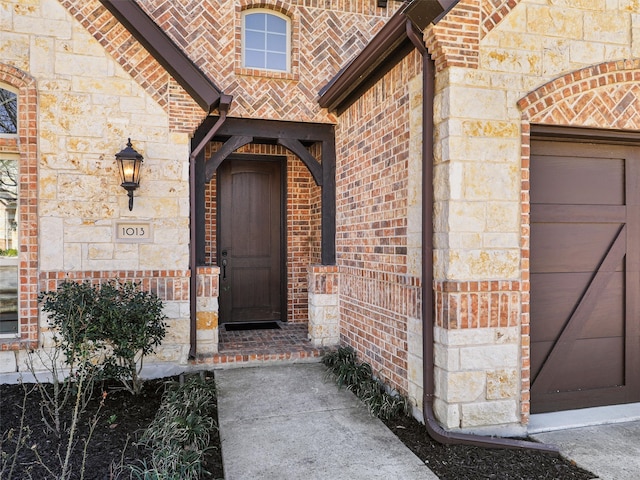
166	52
384	51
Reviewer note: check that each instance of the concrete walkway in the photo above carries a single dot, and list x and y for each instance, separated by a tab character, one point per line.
612	452
287	422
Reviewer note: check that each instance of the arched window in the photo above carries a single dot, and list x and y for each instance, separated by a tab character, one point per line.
266	40
8	215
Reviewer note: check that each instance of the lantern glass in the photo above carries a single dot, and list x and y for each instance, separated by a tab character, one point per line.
129	170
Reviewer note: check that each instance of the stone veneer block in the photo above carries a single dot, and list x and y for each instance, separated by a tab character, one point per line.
8	362
324	313
207	310
489	413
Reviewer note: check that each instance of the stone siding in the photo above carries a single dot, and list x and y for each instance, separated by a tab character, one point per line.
531	63
97	86
70	194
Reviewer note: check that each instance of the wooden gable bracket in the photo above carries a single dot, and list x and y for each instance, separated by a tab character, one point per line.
237	132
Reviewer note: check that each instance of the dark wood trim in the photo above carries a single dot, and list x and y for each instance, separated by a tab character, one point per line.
311	163
230	146
236	132
588	135
268	131
166	52
387	48
357	72
328	247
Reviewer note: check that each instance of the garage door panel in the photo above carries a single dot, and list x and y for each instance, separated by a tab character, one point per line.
570	247
593	363
562	293
577	181
539	352
585	289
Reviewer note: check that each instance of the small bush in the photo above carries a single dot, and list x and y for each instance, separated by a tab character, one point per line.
112	327
180	434
357	377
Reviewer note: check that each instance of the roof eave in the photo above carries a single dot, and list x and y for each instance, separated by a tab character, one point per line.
377	54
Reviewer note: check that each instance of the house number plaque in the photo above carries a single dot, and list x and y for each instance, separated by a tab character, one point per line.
133	232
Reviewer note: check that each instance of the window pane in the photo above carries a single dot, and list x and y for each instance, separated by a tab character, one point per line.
276	61
276	24
254	40
276	43
8	246
253	59
255	21
8	112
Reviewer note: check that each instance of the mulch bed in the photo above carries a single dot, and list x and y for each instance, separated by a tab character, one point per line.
123	417
465	462
121	421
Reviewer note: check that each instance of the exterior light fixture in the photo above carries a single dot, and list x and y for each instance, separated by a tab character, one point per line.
129	162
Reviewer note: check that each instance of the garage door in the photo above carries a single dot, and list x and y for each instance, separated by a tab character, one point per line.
585	280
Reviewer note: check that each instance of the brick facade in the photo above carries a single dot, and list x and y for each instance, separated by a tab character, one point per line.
379	290
26	148
500	67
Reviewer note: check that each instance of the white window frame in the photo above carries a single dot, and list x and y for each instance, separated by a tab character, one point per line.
266	11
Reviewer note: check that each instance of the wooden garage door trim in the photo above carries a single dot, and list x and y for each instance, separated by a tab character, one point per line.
545	395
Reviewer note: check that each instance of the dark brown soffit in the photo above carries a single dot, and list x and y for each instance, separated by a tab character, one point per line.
166	52
390	45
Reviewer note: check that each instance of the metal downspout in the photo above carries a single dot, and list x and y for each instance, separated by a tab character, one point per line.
433	427
223	109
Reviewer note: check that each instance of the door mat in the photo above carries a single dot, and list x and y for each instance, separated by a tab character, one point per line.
234	327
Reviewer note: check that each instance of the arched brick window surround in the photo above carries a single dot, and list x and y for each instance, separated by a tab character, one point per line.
27	205
276	7
605	96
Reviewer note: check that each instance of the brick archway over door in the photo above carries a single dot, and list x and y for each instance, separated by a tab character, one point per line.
606	96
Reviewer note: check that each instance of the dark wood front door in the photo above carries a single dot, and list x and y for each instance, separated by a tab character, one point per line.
585	280
249	240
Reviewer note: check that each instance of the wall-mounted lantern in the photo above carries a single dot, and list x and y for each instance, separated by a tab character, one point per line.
129	162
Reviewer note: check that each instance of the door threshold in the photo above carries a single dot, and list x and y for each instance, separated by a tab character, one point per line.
242	326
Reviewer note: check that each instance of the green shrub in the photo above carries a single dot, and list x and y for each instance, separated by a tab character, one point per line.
357	377
112	327
132	324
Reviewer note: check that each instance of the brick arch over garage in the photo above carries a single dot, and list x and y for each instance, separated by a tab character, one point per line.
601	96
606	96
26	147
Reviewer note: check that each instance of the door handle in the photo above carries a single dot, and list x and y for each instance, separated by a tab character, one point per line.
224	264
